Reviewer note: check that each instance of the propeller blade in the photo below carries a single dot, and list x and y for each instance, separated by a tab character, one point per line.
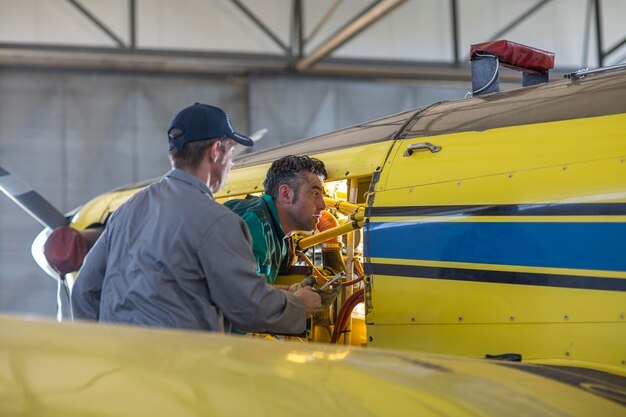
240	151
29	200
258	134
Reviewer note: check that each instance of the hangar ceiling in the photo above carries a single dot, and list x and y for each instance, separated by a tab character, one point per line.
425	39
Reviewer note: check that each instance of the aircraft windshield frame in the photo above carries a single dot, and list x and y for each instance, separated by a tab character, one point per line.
371	132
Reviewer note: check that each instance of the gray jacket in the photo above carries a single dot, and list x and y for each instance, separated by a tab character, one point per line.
173	257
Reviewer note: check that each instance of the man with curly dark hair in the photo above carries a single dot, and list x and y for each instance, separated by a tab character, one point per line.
293	201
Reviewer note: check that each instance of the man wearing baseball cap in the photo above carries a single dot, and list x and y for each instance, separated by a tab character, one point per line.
173	257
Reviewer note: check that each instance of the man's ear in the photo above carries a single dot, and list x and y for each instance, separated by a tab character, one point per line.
285	194
213	153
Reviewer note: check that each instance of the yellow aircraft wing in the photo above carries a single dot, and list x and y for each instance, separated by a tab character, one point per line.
79	369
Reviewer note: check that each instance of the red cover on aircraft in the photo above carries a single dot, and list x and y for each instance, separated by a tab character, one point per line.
65	249
516	56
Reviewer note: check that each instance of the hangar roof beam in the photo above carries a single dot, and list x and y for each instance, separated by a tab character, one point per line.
364	20
97	22
260	24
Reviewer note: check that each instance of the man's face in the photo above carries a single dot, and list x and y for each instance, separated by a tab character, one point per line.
221	168
308	202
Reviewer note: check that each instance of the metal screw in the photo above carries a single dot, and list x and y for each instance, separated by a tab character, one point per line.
371	338
567	353
460	318
621	316
565	168
412	318
510	175
566	317
512	318
458	184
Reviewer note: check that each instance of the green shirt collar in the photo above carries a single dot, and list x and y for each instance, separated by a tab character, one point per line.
270	203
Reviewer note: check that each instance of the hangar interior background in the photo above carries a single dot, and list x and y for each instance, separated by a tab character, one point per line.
87	87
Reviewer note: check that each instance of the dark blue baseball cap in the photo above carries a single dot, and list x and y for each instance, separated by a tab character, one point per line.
201	121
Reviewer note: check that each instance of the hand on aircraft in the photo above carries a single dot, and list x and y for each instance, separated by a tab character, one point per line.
328	295
327	292
310	299
309	281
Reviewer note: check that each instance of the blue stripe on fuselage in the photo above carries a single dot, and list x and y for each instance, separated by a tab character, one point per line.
600	246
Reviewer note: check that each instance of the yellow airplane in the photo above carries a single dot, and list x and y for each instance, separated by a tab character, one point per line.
486	228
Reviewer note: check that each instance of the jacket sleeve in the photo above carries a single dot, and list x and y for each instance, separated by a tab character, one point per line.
88	286
244	297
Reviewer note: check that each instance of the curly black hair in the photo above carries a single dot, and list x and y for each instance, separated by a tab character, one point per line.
287	170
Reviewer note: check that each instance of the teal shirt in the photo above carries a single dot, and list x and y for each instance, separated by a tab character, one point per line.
268	238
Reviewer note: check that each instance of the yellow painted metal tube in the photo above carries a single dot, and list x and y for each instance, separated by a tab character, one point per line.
343	206
309	241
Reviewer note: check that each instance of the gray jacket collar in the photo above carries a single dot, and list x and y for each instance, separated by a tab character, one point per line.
184	176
